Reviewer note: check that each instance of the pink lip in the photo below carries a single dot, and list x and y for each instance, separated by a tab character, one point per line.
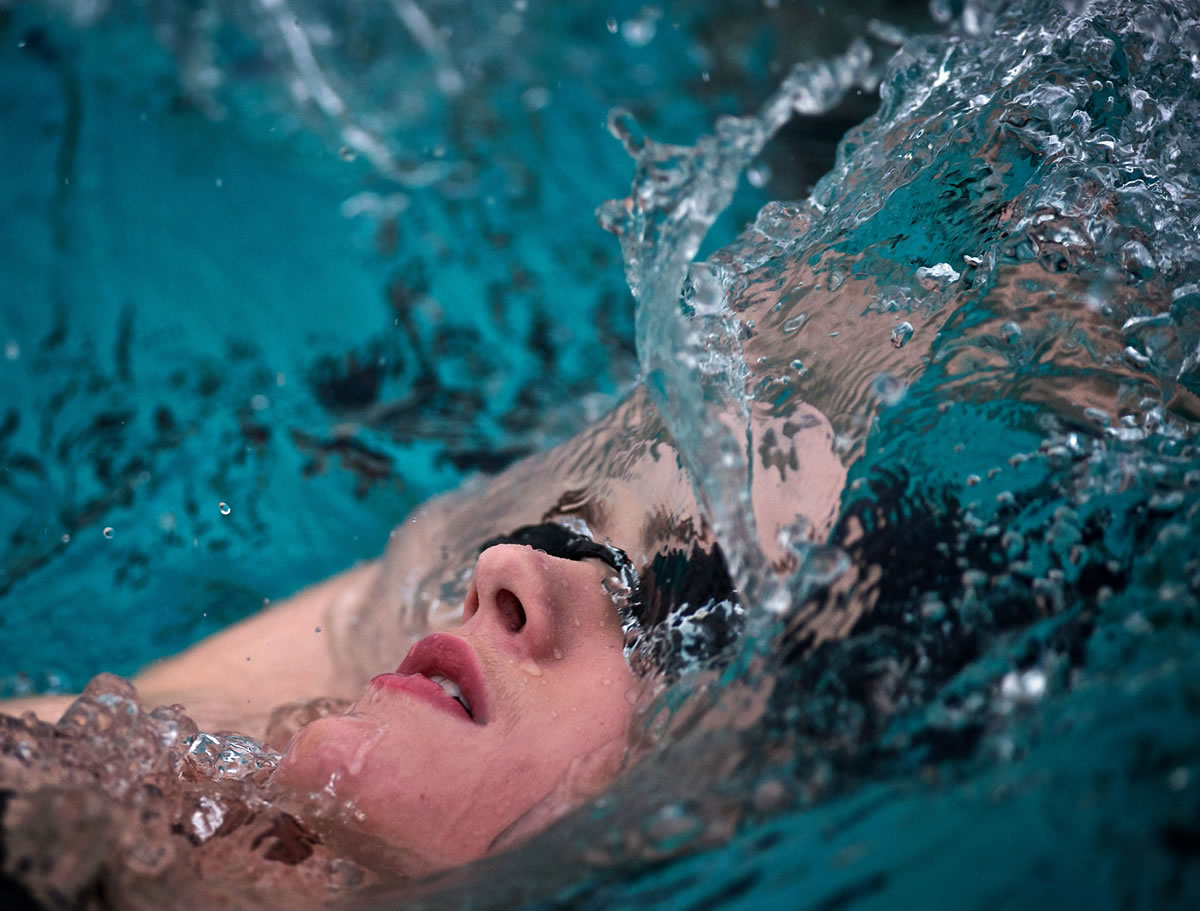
446	656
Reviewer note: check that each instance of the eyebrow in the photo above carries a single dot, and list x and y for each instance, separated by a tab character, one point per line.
578	502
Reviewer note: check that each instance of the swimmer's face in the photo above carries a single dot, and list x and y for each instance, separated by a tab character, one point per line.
539	663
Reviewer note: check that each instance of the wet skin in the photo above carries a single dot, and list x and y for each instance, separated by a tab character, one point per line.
539	661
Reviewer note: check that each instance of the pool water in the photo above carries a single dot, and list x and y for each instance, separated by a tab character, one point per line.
271	284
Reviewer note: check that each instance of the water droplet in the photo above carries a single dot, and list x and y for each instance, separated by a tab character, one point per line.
12	351
66	539
225	508
901	334
530	667
260	402
108	531
318	629
219	182
758	175
535	98
346	153
640	31
558	654
611	25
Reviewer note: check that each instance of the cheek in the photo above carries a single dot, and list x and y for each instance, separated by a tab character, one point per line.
592	704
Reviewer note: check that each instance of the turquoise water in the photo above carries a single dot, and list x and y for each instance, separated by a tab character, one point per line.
165	265
199	314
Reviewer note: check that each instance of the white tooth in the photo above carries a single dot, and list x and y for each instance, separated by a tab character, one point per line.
452	689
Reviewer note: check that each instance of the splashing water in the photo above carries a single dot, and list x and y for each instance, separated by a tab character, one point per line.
696	369
233	756
992	298
985	682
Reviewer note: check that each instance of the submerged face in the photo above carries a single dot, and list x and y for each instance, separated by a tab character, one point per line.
527	702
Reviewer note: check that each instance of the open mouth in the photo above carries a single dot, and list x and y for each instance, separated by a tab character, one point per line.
444	670
454	691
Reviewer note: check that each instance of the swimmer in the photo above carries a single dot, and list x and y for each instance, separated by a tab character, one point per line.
517	706
490	675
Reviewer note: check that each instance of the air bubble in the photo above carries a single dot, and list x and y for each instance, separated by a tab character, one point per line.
1026	687
1179	778
108	531
225	508
611	25
346	153
901	334
794	323
888	389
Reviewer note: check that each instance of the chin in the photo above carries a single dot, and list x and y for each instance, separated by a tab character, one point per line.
324	754
331	774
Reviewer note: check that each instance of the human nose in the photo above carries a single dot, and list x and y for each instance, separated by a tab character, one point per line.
520	596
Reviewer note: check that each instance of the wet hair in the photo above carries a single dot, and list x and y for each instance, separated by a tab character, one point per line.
681	614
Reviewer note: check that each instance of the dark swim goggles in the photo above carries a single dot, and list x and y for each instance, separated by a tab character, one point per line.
682	614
